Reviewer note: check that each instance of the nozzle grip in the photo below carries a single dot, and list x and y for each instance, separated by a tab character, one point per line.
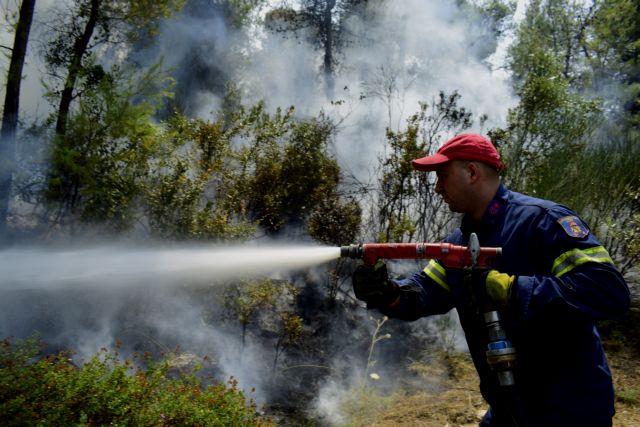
352	251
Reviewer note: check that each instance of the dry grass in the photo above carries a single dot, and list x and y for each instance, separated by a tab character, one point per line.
625	367
456	401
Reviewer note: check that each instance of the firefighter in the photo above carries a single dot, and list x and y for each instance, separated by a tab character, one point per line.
553	282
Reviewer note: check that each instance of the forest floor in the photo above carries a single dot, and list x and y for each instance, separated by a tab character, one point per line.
456	401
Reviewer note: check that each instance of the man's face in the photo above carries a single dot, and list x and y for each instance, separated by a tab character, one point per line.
453	186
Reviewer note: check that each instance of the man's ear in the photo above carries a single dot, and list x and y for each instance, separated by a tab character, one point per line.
473	171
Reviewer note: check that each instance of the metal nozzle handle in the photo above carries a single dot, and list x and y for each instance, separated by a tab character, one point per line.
352	251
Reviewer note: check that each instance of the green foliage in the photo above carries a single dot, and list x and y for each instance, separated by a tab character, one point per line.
52	390
196	179
196	163
291	326
615	48
324	22
99	166
575	177
487	20
251	296
335	221
291	330
258	301
629	397
142	16
240	11
499	11
561	142
176	210
116	21
623	229
286	169
249	299
551	117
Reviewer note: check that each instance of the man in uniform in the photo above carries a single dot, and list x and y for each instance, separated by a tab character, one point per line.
552	283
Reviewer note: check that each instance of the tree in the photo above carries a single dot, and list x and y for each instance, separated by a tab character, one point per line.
290	333
552	115
208	64
11	110
614	50
223	179
323	24
92	23
561	141
99	167
276	183
87	25
193	191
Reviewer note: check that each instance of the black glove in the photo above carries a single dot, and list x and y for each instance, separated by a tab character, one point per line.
372	285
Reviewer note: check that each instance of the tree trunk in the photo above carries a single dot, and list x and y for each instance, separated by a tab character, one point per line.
328	46
11	109
79	49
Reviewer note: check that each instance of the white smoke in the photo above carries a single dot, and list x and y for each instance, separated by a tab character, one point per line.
423	46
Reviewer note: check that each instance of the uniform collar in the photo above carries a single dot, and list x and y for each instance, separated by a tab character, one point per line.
495	210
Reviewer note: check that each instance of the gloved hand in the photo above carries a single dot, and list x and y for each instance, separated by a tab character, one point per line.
498	286
372	285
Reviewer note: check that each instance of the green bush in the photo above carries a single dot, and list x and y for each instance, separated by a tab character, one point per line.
51	390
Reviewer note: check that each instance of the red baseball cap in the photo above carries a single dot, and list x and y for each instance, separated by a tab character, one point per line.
465	146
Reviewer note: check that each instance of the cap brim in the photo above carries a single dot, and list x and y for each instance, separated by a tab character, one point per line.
429	163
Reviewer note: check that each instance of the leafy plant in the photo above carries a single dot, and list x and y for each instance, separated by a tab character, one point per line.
53	390
291	329
249	299
99	165
188	194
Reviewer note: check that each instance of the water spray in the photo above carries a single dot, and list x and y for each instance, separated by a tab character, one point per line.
124	266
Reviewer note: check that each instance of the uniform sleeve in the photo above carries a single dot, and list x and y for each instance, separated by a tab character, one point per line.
579	277
423	294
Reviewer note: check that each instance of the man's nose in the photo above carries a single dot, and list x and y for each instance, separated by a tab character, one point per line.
438	187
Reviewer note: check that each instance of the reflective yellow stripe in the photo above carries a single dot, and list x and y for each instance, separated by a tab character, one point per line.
437	273
575	257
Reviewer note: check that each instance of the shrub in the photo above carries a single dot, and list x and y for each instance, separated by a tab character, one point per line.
52	390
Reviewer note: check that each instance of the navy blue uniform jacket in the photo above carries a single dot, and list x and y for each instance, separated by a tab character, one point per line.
565	282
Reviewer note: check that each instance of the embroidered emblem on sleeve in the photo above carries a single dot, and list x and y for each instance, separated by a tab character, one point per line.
574	227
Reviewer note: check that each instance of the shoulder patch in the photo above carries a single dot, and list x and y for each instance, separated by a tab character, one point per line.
574	227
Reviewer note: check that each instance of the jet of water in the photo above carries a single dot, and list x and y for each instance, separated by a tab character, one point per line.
119	266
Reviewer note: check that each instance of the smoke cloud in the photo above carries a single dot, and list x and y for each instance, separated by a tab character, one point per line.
415	48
